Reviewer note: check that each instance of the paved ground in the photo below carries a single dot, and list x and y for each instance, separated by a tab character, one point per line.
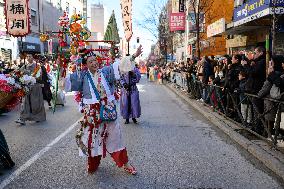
172	147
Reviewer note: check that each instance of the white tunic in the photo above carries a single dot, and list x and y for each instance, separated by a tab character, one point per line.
113	140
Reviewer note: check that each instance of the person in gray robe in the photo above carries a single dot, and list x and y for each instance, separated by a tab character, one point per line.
32	107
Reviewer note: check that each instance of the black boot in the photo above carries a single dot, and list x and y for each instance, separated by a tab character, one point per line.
127	121
134	120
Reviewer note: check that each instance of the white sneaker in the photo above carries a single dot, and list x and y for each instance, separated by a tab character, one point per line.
20	121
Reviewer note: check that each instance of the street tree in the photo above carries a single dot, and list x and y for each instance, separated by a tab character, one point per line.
199	8
151	17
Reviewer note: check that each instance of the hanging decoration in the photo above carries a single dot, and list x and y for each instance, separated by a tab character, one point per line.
78	33
63	23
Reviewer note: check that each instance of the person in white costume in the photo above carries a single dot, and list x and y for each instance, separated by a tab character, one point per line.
96	137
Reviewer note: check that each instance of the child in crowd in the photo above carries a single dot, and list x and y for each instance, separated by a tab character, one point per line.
213	99
245	106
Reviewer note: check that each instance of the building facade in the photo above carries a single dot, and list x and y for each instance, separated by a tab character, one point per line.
252	26
97	22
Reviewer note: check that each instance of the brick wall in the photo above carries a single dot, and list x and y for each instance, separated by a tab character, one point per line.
219	9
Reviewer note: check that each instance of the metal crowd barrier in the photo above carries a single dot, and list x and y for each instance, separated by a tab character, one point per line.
246	112
180	79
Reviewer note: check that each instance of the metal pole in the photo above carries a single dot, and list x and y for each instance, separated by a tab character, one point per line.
273	27
166	51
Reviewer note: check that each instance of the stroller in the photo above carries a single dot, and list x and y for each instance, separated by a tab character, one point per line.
5	158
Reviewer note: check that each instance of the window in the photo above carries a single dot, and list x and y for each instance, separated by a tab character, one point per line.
33	17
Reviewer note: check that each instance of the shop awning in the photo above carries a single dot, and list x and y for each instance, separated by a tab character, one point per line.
242	29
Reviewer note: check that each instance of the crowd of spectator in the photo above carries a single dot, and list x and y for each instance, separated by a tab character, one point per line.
227	81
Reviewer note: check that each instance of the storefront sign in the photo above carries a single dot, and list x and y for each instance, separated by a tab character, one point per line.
216	28
126	9
181	5
17	17
238	41
29	47
253	10
177	21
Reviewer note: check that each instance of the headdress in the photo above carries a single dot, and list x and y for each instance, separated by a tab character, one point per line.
86	53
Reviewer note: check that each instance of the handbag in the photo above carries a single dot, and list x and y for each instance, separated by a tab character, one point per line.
107	112
275	92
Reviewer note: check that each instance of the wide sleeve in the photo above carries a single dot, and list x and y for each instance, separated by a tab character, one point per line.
137	76
76	80
123	80
265	90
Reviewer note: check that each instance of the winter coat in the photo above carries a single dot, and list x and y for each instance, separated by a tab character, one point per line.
241	90
269	106
207	71
257	75
232	80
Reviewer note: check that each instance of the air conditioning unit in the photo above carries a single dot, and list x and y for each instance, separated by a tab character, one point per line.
239	2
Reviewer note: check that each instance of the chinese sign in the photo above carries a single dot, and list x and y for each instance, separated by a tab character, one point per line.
17	17
126	8
216	28
177	21
253	10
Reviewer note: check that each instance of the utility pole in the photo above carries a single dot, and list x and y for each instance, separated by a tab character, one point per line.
274	20
197	18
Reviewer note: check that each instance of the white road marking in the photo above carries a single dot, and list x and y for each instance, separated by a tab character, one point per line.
32	160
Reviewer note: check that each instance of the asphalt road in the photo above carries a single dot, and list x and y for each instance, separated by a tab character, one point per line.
172	147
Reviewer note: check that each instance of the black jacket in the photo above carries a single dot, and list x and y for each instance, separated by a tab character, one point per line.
232	80
257	75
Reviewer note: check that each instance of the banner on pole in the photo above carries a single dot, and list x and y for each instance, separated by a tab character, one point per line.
177	21
126	9
17	17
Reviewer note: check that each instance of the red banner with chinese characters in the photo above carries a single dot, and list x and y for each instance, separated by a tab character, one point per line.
177	21
126	9
17	17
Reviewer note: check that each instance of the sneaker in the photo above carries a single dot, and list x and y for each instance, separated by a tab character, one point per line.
20	121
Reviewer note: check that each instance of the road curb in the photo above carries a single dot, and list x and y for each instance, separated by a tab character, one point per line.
228	127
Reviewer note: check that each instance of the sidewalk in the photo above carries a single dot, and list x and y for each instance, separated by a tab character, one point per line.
271	158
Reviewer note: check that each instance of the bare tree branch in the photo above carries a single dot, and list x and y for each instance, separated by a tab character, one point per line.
151	17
